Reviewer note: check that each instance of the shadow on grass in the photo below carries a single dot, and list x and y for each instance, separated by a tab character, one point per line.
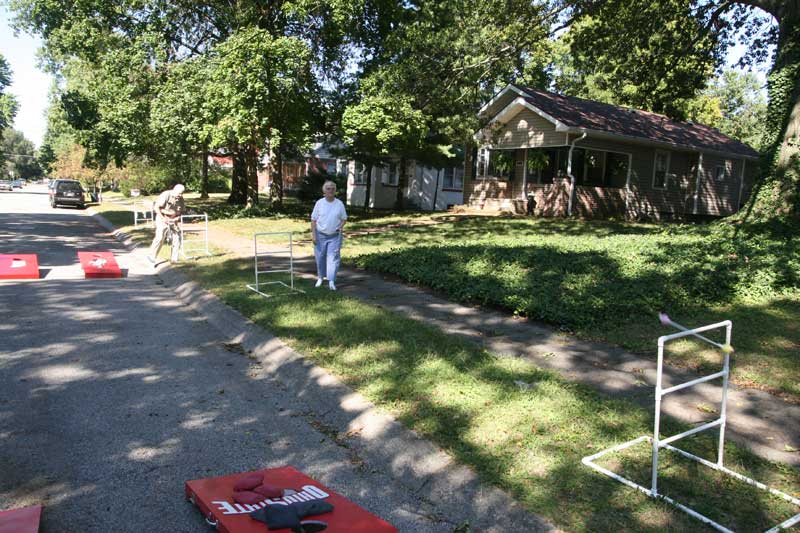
528	440
610	289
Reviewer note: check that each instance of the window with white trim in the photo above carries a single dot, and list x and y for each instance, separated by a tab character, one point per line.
330	167
480	163
594	163
453	178
390	174
360	174
496	164
661	170
723	172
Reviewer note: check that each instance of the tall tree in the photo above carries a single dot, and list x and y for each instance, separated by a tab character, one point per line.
264	92
445	58
8	104
20	154
734	104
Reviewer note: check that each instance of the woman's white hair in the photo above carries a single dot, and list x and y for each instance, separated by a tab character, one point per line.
328	183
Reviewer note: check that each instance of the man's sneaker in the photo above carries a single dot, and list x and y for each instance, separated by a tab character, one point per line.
331	286
318	284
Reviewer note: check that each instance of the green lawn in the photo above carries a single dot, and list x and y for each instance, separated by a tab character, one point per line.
528	441
608	281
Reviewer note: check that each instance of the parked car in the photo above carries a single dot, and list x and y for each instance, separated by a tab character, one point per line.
16	184
67	192
5	185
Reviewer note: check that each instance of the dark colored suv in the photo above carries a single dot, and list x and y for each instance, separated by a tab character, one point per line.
67	192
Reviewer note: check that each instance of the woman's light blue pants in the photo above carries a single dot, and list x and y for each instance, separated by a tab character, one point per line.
327	252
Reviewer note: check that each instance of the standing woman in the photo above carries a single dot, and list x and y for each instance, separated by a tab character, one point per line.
327	221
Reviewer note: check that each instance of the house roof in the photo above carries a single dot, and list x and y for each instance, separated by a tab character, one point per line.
580	114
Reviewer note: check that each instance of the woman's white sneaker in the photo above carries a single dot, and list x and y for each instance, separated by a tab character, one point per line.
331	286
318	284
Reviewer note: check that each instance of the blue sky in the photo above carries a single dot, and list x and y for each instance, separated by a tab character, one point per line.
30	85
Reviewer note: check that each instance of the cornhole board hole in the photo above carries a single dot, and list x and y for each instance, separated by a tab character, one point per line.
25	520
19	266
99	265
214	498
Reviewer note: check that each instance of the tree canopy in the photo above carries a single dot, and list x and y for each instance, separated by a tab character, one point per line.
20	154
171	81
8	104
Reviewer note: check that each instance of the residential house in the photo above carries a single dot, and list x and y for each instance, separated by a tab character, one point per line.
428	188
575	156
319	157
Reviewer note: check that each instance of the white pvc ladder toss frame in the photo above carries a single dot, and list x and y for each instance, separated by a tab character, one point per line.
720	422
256	287
142	213
193	229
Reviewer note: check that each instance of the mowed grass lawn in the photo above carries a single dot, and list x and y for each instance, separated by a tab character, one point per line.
608	281
527	440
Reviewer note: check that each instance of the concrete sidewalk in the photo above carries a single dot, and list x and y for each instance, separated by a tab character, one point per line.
765	423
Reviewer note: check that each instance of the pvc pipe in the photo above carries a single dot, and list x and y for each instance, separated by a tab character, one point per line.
721	373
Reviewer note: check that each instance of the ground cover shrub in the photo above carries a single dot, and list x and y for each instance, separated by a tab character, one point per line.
608	281
587	281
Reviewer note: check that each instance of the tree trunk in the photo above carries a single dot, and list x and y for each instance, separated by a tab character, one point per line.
367	186
238	194
777	193
204	175
402	184
251	159
276	173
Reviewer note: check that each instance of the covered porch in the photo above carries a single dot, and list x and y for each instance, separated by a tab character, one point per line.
537	181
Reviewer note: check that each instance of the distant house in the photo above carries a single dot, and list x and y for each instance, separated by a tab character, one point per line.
319	157
623	161
428	188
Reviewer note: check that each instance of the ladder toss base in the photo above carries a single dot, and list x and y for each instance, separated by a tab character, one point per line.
658	443
289	251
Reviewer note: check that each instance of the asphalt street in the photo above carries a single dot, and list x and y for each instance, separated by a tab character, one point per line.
113	393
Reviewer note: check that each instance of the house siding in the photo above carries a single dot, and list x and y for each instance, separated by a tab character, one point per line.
675	199
419	193
425	186
529	130
719	197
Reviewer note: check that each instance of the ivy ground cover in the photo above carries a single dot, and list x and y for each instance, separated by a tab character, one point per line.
608	281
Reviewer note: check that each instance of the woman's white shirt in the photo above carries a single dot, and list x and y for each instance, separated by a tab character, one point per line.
328	215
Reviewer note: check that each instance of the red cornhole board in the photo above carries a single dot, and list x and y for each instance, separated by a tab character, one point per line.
214	498
24	520
19	266
99	265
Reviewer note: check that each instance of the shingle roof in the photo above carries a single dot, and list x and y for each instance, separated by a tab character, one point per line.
581	113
